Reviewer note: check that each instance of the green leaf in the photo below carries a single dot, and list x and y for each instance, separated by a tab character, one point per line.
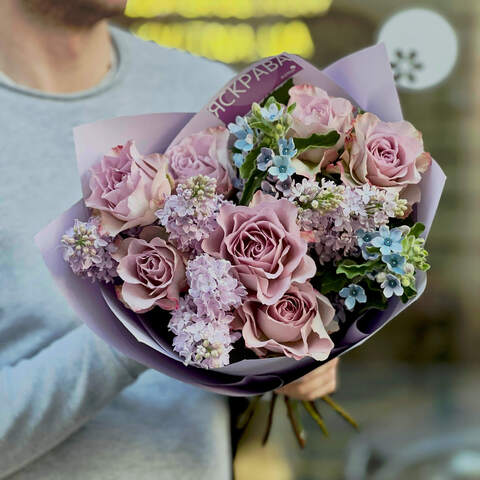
250	163
417	229
281	93
291	108
315	140
408	293
352	269
251	186
329	281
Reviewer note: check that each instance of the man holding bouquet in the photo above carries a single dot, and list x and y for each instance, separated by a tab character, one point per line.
69	405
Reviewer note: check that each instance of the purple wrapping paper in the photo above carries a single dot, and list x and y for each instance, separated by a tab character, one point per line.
363	77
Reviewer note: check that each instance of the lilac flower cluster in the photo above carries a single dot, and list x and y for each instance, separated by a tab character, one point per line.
190	215
202	323
88	252
213	289
199	339
315	200
335	212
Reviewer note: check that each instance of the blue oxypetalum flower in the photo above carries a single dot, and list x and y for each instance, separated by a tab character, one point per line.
284	186
243	132
272	112
238	183
240	128
238	159
392	286
287	147
388	241
353	294
395	263
265	159
281	168
365	237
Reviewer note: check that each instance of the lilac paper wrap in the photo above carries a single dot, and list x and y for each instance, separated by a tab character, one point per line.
364	77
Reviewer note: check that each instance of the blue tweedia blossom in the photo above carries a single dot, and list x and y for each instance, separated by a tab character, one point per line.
365	237
240	128
265	159
353	294
287	147
271	113
238	159
395	263
392	286
388	241
243	132
281	168
284	186
89	253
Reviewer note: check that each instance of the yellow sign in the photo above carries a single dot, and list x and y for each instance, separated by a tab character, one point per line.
226	8
230	43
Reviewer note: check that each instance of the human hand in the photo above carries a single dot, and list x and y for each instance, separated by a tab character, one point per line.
316	384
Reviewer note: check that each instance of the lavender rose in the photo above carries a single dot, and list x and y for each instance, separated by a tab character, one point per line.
293	326
317	112
127	188
385	154
264	246
203	153
152	270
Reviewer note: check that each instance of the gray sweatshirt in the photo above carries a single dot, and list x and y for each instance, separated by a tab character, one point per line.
69	407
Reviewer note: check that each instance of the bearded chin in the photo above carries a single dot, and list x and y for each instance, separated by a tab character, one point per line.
73	13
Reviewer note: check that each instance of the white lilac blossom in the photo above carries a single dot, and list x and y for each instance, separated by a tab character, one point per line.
314	200
190	215
199	340
213	289
334	213
88	252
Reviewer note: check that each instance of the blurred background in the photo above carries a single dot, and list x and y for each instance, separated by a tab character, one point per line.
414	388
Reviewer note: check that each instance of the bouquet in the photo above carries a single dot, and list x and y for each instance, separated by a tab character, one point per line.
239	247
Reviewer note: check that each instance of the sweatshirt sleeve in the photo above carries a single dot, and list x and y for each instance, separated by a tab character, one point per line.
46	398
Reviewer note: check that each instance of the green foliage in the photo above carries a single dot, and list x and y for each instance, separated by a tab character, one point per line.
351	269
250	163
327	281
375	298
251	186
417	229
315	140
281	93
408	293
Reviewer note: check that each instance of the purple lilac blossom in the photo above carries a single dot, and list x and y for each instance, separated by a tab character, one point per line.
190	215
199	340
212	287
88	252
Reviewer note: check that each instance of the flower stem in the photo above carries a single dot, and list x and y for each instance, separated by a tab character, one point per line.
311	408
345	415
270	418
246	416
298	430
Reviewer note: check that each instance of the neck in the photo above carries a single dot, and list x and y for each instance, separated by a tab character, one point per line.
51	58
